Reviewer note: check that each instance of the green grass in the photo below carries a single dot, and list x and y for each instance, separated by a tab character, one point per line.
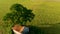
45	13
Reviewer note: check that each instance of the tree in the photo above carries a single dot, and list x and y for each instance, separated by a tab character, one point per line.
19	14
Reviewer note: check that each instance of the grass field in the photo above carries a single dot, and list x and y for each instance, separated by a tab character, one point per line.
46	13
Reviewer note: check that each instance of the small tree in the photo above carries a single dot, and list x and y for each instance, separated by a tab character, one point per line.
19	14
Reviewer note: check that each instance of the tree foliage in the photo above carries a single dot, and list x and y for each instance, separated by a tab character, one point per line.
19	14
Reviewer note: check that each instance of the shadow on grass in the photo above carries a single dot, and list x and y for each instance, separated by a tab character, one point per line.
34	30
44	30
39	30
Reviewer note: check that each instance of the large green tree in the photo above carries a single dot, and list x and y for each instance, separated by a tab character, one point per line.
19	14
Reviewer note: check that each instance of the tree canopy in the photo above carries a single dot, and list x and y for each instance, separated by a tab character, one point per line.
19	14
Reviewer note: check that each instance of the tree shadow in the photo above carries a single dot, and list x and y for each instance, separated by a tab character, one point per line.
44	30
34	30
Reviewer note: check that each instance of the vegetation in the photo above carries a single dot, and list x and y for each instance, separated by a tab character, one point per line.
46	13
19	14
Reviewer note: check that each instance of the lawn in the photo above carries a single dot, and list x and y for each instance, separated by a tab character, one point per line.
46	13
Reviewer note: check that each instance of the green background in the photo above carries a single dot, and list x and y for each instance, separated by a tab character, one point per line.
47	12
